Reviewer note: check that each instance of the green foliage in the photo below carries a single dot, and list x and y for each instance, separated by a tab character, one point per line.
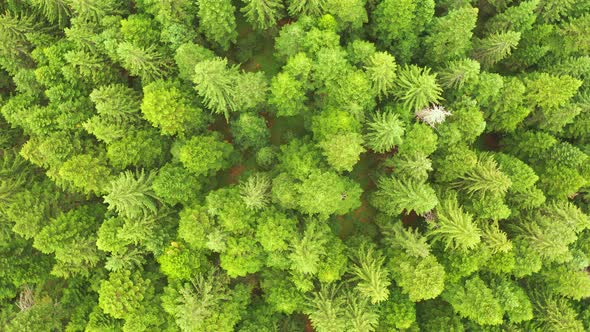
475	300
326	193
395	196
373	279
342	151
123	293
495	47
85	173
417	88
165	106
454	227
450	36
250	131
287	95
385	131
214	82
242	256
146	63
131	195
381	70
217	22
262	14
350	14
175	184
398	165
204	155
420	279
397	24
255	191
549	91
397	312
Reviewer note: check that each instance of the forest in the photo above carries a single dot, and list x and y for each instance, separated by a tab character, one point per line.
295	165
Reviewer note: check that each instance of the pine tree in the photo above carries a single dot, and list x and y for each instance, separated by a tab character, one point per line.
567	282
147	63
218	21
395	196
495	239
95	10
433	115
361	316
306	7
484	179
516	18
215	83
373	279
326	310
554	313
450	35
14	46
255	191
416	166
307	251
116	101
495	47
454	227
409	241
417	88
131	195
459	72
385	131
545	238
262	14
381	68
56	11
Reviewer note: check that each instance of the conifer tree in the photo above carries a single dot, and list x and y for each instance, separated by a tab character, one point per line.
262	14
306	7
147	63
450	35
326	310
215	83
395	196
373	279
417	88
485	178
255	191
385	131
218	22
381	70
454	227
342	151
495	47
131	196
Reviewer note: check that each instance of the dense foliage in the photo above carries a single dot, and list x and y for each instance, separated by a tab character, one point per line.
289	165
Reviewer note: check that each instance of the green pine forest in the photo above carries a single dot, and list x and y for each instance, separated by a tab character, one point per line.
295	165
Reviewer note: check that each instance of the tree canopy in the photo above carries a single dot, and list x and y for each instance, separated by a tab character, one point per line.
294	165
